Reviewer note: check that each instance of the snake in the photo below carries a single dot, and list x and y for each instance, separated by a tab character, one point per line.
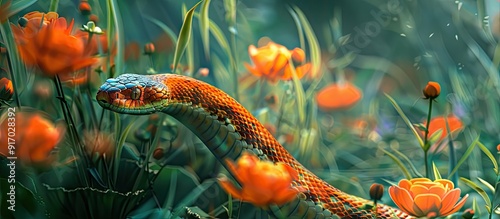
228	130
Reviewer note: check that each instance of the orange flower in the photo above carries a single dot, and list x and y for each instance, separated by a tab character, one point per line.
51	47
34	139
432	90
439	123
272	62
421	197
338	96
6	89
263	182
47	17
99	142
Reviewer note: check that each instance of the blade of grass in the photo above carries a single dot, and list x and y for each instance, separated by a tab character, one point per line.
398	162
119	147
300	30
164	27
465	156
299	94
487	184
117	21
406	120
204	27
412	167
479	190
184	36
312	41
437	175
189	48
18	6
489	155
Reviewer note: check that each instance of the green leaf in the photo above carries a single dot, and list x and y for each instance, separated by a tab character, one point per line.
300	30
118	151
299	94
315	51
193	196
120	36
204	26
412	167
189	48
18	6
488	185
398	162
184	36
406	120
479	190
489	155
164	27
437	175
465	156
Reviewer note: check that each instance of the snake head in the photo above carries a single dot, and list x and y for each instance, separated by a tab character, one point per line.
133	94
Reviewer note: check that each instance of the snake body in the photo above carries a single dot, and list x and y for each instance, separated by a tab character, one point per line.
228	129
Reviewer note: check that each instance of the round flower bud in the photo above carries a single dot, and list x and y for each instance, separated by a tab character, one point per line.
468	214
376	191
432	90
94	18
84	8
158	153
149	48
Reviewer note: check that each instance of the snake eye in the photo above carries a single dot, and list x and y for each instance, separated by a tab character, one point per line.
136	93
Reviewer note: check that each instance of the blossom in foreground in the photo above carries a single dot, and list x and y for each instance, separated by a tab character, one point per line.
338	96
432	90
51	46
35	137
262	182
421	197
272	62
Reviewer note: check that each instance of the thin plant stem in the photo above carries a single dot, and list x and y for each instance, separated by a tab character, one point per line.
426	139
53	5
13	78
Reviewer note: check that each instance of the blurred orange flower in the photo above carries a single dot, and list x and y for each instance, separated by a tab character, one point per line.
439	123
47	17
262	182
421	197
272	62
6	89
35	137
99	142
51	46
338	96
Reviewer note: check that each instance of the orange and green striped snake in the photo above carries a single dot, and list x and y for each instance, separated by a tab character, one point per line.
228	129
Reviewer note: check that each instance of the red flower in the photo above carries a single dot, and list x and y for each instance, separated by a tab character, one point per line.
338	96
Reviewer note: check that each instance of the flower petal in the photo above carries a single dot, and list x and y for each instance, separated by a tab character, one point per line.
456	207
426	203
229	187
450	199
402	199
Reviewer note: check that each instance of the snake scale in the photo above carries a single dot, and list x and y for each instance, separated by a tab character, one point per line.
228	129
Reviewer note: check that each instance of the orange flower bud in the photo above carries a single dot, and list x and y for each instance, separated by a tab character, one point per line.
376	191
6	89
468	214
84	8
432	90
149	48
158	153
94	18
298	55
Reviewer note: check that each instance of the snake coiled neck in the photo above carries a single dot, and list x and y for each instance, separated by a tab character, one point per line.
228	129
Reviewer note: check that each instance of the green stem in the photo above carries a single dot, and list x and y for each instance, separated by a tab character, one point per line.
426	139
53	5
